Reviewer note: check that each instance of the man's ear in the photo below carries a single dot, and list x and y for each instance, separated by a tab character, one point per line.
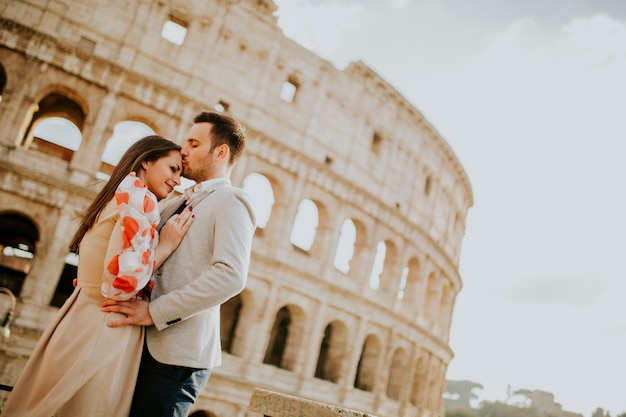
222	152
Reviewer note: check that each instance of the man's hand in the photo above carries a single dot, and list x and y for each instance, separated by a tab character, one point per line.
136	311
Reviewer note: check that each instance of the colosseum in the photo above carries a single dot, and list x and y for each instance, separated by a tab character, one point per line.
361	204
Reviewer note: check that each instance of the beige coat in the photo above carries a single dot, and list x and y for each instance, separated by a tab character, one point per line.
81	367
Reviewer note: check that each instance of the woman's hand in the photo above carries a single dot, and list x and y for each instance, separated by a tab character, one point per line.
172	233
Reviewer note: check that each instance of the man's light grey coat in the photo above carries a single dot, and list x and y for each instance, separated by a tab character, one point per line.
209	267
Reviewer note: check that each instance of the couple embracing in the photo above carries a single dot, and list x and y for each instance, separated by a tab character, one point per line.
140	335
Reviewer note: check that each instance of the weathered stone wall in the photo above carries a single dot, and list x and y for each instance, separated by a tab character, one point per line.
347	141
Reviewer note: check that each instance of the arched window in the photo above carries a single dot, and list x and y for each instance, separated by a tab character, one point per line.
345	246
202	413
230	313
443	304
261	194
428	183
65	287
3	81
18	237
419	382
285	343
403	280
431	382
124	135
397	374
367	368
431	297
445	307
305	225
332	349
56	136
388	277
378	265
278	339
56	127
410	277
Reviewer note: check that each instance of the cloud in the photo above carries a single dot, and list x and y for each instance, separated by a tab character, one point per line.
565	291
398	4
532	101
318	26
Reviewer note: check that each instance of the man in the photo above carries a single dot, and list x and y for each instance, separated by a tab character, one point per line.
209	267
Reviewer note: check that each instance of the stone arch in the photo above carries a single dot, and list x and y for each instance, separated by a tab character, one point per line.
396	374
65	286
305	225
278	338
367	368
261	193
3	81
445	315
428	185
76	114
230	314
238	315
388	276
431	393
419	382
54	125
411	287
361	259
332	351
18	238
125	133
431	296
202	413
443	303
383	267
345	246
378	265
439	385
285	341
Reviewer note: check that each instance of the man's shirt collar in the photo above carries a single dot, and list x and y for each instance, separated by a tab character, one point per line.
201	187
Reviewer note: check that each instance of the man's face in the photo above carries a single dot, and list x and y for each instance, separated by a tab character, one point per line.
197	154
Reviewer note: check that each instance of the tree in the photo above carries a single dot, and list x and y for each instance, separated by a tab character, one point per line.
598	413
460	393
499	409
461	412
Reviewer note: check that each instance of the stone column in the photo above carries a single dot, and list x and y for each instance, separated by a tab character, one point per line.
88	157
18	106
41	282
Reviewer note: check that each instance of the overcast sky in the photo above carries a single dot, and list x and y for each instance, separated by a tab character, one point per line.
531	96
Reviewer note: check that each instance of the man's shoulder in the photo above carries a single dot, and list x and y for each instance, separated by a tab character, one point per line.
231	191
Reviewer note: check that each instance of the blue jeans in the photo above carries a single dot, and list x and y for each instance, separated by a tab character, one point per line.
166	390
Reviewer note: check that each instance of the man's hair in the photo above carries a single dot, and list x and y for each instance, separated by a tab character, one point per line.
225	130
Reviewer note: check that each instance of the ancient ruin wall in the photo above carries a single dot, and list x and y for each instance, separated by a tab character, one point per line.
347	141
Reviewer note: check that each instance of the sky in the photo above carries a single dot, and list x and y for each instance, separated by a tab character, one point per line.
531	97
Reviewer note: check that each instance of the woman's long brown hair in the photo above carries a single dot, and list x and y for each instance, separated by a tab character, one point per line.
147	149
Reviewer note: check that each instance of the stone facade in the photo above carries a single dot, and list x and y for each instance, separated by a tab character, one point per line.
343	144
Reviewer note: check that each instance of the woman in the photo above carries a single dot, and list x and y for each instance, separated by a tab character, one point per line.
81	367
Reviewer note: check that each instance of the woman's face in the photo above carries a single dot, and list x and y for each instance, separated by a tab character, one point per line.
162	175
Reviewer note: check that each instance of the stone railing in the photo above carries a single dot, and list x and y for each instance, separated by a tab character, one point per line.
273	404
